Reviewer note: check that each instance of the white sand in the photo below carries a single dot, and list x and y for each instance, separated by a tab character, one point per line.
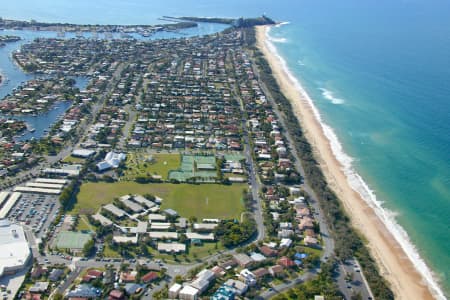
406	282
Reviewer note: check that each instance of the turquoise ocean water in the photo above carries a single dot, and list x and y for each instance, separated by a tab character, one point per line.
378	72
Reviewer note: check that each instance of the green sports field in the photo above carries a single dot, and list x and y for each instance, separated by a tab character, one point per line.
71	240
201	201
201	166
144	164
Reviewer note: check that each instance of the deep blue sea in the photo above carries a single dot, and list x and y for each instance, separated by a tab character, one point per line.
379	73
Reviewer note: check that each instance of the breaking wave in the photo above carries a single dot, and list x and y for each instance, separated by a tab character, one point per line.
358	184
327	94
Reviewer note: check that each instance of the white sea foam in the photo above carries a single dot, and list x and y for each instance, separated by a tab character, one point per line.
327	94
359	185
278	40
282	23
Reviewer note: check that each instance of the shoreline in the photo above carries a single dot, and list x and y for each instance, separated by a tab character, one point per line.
394	262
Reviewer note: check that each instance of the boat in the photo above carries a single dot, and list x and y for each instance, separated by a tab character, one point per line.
32	130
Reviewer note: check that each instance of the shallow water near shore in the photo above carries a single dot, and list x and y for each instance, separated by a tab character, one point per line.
376	70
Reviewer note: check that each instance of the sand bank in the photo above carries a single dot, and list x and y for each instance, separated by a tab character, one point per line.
406	282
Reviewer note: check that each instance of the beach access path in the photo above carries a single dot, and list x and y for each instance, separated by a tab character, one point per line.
395	266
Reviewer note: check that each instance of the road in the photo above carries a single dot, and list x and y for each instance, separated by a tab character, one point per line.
69	146
352	281
254	185
69	280
328	242
278	289
126	131
357	285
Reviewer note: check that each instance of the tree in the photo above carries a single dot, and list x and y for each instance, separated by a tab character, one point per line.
179	279
58	296
89	248
232	233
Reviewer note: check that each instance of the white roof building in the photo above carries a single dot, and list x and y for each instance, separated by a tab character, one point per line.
144	201
132	205
3	196
160	235
248	277
28	189
257	257
125	239
160	226
174	290
238	286
83	153
66	170
202	280
111	161
188	293
171	247
118	212
8	204
45	185
285	243
200	236
156	217
14	249
102	219
205	226
51	180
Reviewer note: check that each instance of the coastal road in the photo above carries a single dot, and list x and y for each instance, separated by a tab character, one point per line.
328	242
360	285
352	281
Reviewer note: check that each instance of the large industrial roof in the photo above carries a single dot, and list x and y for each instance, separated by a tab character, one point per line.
14	248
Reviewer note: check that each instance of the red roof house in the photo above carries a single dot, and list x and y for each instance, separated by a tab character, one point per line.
149	277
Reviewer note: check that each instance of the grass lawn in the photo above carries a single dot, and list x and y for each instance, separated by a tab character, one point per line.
83	224
73	160
202	201
310	250
138	164
204	250
110	253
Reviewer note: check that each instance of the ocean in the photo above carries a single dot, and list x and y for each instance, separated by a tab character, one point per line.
379	74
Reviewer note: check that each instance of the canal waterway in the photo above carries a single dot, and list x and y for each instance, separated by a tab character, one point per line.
13	76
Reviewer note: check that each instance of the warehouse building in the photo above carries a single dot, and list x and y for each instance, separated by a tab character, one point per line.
14	249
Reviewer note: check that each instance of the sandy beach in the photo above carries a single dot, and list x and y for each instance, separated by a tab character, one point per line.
406	282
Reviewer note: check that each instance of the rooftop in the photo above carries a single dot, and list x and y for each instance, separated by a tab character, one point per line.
14	248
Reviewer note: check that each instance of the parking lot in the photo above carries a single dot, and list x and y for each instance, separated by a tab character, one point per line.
36	211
